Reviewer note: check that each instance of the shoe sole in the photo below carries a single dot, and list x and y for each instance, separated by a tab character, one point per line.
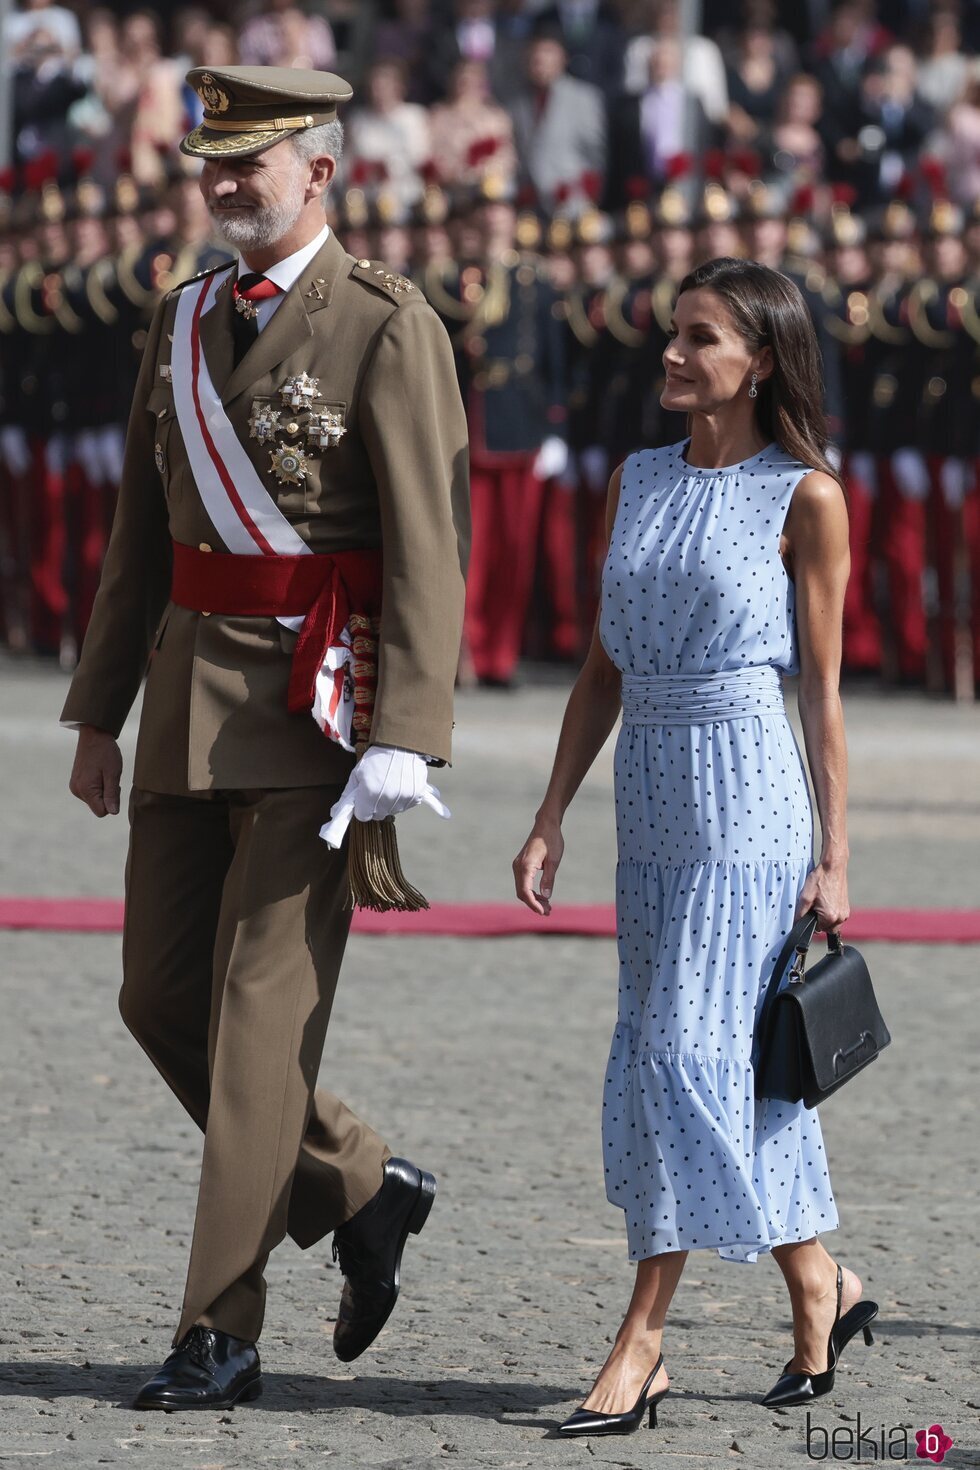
417	1217
246	1394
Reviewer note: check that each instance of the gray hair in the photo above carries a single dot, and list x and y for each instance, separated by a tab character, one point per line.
326	138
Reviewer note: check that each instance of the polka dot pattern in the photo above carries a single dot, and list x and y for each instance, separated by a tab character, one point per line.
715	840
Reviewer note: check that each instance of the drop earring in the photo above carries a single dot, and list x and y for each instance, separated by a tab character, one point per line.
753	390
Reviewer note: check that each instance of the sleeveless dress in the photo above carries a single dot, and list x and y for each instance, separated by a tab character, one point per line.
715	841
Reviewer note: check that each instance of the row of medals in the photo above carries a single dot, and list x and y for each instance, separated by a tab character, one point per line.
324	427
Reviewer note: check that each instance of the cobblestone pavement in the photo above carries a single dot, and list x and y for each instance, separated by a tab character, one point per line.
483	1061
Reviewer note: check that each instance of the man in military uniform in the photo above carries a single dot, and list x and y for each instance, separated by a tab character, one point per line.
935	314
296	459
511	364
902	476
847	320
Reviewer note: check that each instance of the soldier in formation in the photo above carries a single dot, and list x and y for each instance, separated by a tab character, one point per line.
558	324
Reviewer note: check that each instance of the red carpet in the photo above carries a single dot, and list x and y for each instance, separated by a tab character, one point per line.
483	920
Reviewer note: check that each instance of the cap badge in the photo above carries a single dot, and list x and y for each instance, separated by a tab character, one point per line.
325	427
299	391
288	464
263	422
215	98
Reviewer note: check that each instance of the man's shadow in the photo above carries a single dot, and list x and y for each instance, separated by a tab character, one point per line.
117	1383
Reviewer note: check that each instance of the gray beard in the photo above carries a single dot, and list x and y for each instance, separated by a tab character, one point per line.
256	229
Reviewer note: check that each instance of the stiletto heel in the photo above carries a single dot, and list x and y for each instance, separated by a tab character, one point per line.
589	1421
800	1388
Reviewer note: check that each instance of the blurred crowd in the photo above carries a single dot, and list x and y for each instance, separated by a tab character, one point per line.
546	174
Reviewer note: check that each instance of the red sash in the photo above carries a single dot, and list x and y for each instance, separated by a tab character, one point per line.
327	588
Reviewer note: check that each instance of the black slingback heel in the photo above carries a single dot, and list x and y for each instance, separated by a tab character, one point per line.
589	1421
800	1388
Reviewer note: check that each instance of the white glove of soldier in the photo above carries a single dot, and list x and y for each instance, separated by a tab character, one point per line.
385	781
595	468
911	474
551	460
15	450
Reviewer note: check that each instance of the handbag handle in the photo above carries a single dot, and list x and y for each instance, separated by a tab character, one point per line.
797	943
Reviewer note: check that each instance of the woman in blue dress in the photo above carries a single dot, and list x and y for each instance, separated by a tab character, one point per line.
727	563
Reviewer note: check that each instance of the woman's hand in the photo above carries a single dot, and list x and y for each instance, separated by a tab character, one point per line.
825	891
541	853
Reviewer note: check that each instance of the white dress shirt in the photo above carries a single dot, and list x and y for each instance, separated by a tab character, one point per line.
284	273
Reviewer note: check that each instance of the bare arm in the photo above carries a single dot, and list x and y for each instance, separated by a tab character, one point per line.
592	710
818	549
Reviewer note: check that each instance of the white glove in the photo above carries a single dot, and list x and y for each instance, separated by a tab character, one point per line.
955	480
595	468
15	450
911	474
385	781
551	459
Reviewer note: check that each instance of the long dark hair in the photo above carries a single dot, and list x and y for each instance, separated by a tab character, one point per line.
769	310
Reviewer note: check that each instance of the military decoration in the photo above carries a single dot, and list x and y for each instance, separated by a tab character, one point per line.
158	458
325	427
299	391
263	422
288	464
248	309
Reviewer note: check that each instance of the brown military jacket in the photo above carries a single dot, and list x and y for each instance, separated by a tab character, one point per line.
214	711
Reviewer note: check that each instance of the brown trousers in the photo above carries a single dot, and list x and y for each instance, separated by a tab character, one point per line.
234	935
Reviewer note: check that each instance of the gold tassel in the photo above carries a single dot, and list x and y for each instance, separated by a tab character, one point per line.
374	871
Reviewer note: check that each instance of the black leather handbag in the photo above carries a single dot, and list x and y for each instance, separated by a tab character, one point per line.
821	1029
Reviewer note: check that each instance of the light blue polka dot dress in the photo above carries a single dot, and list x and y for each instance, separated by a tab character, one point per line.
715	840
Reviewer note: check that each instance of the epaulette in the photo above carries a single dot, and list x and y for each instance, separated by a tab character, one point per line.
211	270
376	273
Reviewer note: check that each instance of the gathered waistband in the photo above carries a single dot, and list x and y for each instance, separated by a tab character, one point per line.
697	699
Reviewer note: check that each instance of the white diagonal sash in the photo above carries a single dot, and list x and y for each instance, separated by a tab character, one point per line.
240	507
243	512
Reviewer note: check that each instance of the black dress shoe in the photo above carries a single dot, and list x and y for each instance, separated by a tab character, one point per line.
207	1369
801	1388
369	1248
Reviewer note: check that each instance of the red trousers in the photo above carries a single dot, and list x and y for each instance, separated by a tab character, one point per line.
862	633
88	519
49	600
506	509
954	553
903	550
558	569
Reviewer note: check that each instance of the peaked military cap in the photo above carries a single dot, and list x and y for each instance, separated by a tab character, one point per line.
250	108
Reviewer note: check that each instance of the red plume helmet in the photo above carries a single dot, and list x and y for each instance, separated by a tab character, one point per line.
714	164
679	165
